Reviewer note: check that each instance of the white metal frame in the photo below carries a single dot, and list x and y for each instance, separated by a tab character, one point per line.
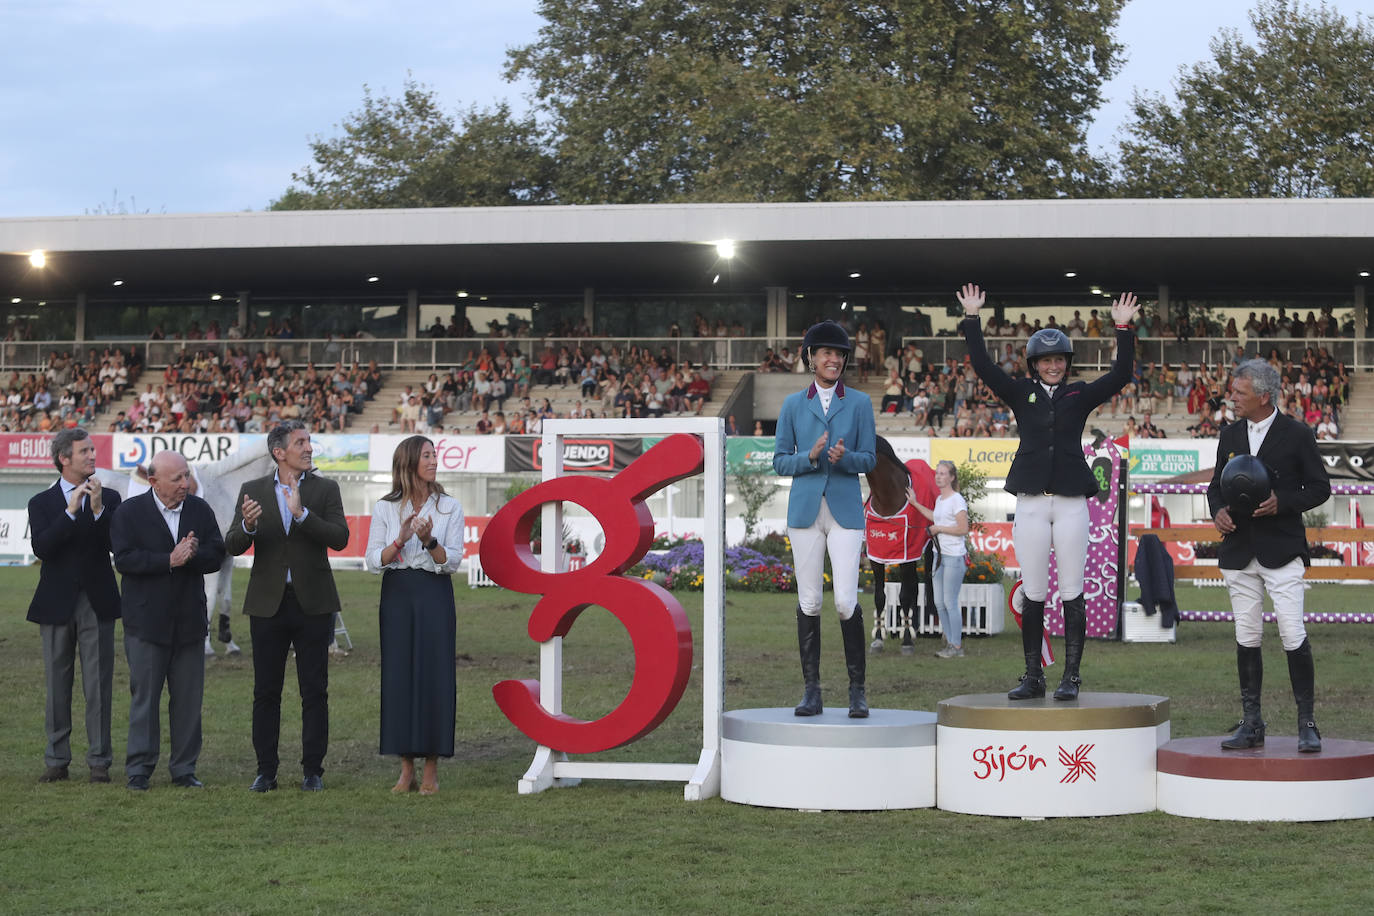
551	768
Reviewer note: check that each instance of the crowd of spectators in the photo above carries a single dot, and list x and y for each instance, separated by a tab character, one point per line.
68	392
1314	390
202	392
632	382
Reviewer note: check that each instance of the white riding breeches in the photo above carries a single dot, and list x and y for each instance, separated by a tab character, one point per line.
809	548
1286	590
1045	521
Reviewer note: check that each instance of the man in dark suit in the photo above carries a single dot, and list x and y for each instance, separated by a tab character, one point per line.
76	602
292	519
1266	551
165	541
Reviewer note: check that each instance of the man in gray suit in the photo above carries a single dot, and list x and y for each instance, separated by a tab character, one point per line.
76	603
165	541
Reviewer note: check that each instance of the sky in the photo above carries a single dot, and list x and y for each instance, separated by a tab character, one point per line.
169	106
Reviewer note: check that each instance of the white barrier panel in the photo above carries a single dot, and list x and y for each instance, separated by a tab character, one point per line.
1041	758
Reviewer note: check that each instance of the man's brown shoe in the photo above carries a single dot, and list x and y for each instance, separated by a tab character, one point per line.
54	774
100	774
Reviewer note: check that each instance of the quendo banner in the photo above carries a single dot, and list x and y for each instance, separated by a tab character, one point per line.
582	455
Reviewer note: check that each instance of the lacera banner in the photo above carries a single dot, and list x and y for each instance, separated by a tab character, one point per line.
590	455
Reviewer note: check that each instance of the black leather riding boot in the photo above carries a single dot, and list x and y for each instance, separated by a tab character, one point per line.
1302	672
1075	632
809	642
856	662
1250	730
1032	683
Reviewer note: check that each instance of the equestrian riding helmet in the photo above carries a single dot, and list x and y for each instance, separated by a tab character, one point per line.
1048	342
1244	485
826	334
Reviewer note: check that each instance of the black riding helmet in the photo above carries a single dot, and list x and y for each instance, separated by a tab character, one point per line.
826	334
1245	483
1048	342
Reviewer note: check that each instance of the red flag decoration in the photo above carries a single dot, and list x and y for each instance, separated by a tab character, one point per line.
1159	516
1014	602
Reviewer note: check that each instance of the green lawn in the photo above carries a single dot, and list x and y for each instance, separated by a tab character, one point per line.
623	847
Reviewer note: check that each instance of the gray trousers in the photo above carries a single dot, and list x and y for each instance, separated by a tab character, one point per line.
94	640
182	669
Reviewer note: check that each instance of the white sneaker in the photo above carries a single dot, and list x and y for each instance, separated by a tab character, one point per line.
209	649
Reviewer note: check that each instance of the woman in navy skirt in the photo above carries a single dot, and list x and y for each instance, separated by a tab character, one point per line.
416	543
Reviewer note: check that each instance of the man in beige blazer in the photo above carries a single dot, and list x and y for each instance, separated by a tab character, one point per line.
291	519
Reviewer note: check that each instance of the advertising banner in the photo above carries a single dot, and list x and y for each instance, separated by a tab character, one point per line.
457	454
133	450
588	455
1348	460
34	451
991	456
749	454
14	532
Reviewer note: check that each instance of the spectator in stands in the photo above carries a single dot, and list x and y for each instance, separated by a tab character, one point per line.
698	391
1327	428
1148	429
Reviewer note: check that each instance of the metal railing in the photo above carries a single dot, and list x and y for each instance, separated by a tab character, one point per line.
1095	353
439	354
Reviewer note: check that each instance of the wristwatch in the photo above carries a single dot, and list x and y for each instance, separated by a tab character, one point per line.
433	542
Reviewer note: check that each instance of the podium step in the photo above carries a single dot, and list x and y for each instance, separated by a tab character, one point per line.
1269	783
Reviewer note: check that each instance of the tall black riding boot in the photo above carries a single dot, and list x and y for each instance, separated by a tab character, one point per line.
855	661
1032	635
1302	673
809	642
1250	730
1075	631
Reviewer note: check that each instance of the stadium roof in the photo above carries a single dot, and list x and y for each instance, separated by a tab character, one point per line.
1199	248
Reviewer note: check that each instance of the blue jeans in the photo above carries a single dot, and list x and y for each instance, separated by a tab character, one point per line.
948	578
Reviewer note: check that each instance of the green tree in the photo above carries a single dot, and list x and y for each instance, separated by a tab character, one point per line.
755	488
661	100
1290	116
409	152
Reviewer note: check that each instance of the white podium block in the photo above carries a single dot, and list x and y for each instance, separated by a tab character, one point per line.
1042	758
1269	783
774	759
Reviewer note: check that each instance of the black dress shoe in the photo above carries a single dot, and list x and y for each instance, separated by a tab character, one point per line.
188	781
138	783
312	784
100	774
54	774
263	783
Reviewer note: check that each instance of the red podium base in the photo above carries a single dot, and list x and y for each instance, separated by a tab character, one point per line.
1196	778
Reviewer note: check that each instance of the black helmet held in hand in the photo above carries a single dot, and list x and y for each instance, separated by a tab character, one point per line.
1244	485
825	334
1048	342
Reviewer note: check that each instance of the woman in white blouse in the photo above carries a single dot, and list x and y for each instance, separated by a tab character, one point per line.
416	542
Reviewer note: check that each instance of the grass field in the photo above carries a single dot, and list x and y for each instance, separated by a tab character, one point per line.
630	847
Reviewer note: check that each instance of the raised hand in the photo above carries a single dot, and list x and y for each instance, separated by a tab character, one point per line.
96	493
1124	309
74	501
408	527
252	511
293	497
819	447
184	550
836	451
971	298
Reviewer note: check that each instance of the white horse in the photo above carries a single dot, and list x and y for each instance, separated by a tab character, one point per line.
218	484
